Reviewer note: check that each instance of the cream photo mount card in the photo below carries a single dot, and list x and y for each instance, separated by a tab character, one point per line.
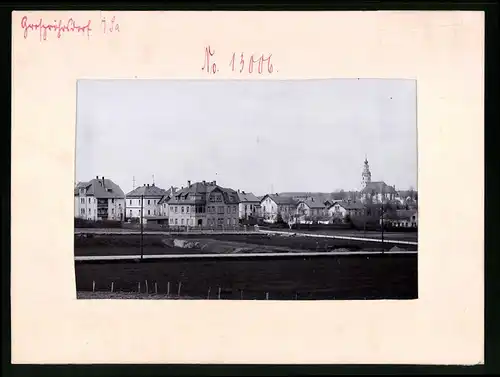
247	187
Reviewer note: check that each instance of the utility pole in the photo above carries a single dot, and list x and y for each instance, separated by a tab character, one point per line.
382	224
142	227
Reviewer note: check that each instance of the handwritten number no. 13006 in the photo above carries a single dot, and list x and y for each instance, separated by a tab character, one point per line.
260	61
238	63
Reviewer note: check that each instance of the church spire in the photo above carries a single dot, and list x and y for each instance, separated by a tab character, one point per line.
366	176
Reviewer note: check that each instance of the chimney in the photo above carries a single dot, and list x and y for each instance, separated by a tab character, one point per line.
103	182
97	177
147	185
172	189
238	190
204	182
189	183
214	183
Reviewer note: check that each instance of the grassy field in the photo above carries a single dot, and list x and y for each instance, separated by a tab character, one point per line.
331	277
164	244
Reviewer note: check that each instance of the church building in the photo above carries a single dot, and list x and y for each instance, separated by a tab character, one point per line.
375	191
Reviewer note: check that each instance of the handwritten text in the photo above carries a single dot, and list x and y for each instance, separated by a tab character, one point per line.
58	26
239	63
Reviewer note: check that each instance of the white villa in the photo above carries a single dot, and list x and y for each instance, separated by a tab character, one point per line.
99	199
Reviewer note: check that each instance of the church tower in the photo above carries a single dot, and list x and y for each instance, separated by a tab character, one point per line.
366	176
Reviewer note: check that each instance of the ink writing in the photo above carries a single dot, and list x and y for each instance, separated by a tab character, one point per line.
59	27
239	63
109	26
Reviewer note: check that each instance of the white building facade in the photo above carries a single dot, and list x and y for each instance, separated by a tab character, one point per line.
147	199
99	199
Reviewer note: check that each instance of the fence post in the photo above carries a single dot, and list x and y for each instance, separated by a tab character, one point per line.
179	290
93	285
168	289
267	295
241	294
139	287
219	293
208	294
147	288
112	285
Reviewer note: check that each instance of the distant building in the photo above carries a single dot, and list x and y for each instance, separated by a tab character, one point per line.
146	197
99	199
402	218
249	205
311	210
342	209
204	204
163	207
375	192
273	205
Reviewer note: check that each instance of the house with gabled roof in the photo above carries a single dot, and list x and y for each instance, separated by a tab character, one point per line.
312	209
146	198
346	208
275	205
249	205
204	204
99	199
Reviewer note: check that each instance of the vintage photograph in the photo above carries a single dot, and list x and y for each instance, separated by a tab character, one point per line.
246	189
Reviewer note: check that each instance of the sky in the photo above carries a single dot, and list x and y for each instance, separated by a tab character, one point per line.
260	136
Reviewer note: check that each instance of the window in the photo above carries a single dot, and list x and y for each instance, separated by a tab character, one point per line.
228	221
182	209
130	201
112	200
228	209
90	211
245	207
149	202
220	210
82	211
234	209
89	200
175	221
82	200
234	221
187	209
112	211
130	213
175	209
149	212
182	221
171	221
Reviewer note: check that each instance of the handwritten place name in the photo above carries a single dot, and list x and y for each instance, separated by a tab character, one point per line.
58	26
239	63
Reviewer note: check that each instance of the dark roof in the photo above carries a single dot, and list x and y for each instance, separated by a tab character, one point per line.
281	200
349	205
100	188
379	188
247	197
405	213
313	203
198	192
168	194
147	191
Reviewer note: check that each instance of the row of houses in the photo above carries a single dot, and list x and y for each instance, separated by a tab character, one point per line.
205	203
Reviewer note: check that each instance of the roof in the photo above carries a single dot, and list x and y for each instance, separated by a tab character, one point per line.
147	191
168	194
198	192
379	188
349	205
281	200
247	197
100	188
405	213
313	203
